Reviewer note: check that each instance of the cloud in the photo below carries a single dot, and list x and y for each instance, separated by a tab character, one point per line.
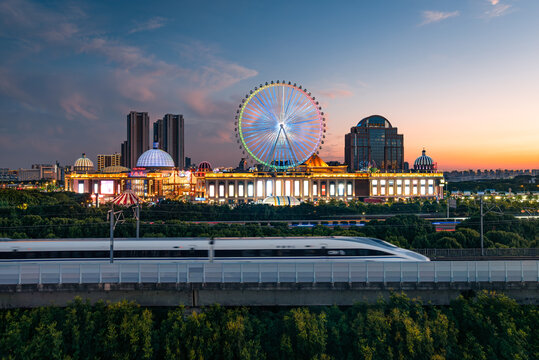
498	9
336	93
29	22
98	76
76	105
125	55
493	2
430	17
152	24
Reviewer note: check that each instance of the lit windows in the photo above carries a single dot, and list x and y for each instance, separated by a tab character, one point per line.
221	190
269	187
375	187
287	190
260	188
340	189
241	191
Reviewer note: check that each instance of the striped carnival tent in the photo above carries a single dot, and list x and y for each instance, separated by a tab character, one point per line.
127	198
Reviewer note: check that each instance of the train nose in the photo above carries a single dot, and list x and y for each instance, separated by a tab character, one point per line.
416	256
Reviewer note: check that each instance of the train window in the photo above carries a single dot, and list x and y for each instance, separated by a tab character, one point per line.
229	253
336	252
281	252
265	253
356	252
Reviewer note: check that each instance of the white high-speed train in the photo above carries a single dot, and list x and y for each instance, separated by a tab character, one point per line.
281	249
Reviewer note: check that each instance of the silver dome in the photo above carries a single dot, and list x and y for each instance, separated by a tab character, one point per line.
155	158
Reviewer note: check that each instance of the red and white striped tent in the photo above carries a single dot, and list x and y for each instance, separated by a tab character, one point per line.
127	198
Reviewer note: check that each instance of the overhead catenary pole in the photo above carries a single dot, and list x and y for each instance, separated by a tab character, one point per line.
481	213
111	233
447	204
138	219
448	197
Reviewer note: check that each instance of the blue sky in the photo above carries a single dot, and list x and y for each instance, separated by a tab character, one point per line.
457	77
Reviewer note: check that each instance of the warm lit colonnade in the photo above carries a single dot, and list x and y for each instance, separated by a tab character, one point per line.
255	187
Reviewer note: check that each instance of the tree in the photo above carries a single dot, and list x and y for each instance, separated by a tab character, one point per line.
305	335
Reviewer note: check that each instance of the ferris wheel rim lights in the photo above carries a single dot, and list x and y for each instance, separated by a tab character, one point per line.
303	128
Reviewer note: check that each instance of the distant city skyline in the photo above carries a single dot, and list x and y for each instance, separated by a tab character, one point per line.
458	78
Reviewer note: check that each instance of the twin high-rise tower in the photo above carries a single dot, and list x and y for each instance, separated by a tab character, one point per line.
168	133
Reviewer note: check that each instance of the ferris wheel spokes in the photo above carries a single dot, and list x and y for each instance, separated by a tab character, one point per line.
279	125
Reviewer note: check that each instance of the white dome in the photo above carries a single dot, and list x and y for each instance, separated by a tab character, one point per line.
424	162
281	201
155	158
83	164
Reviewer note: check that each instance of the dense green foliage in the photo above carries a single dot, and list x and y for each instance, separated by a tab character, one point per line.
15	203
488	326
32	214
520	183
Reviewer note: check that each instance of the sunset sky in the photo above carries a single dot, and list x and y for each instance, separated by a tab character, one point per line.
460	78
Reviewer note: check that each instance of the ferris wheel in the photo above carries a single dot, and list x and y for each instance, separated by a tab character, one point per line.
280	125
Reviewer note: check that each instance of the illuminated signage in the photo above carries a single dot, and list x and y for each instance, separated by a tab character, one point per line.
137	172
107	187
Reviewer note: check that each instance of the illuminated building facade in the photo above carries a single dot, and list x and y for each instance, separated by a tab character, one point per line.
374	143
104	161
153	176
146	183
313	181
316	181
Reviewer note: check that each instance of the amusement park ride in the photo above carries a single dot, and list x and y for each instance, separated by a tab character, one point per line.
280	125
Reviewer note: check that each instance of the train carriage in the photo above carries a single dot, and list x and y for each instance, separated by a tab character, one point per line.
281	249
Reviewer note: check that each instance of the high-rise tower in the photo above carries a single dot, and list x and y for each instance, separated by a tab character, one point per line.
374	143
104	161
169	133
138	133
